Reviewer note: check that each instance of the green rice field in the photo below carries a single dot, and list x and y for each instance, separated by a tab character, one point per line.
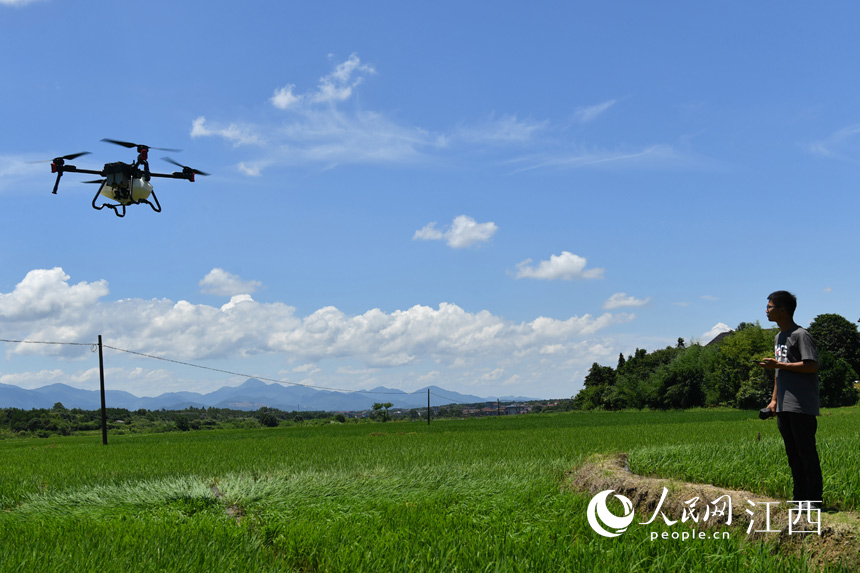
484	494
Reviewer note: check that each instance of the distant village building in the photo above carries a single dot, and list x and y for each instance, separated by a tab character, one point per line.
512	409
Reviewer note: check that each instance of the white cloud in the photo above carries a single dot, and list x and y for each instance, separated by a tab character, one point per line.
45	293
253	170
621	299
718	329
284	97
841	144
234	133
504	130
335	87
319	127
657	156
45	306
220	282
566	266
463	232
428	232
18	2
590	113
493	375
15	169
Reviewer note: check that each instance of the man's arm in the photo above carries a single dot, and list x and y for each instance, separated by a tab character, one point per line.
805	367
772	405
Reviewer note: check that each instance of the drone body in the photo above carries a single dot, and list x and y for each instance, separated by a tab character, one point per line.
122	186
124	183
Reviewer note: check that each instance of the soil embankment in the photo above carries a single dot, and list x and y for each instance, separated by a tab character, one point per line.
838	542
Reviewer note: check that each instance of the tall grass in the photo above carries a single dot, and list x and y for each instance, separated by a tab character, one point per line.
470	495
756	460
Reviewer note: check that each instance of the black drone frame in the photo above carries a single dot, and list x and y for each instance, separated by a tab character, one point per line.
120	176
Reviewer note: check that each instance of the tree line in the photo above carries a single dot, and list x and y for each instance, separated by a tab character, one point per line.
723	373
59	420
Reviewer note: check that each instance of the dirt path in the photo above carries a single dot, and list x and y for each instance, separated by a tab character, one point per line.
838	541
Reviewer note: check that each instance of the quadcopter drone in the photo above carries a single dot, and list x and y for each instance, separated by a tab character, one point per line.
124	183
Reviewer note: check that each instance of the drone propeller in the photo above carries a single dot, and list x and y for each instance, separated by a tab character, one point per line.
185	168
95	181
73	155
139	146
63	158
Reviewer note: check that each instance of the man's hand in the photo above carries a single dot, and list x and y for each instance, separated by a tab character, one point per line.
805	367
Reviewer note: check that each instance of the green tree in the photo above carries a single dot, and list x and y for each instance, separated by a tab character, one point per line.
182	423
678	384
732	367
838	336
836	379
597	388
635	385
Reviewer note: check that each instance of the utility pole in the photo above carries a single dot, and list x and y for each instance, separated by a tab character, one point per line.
102	380
428	406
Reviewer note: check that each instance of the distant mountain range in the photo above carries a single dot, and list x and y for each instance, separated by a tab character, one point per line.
251	395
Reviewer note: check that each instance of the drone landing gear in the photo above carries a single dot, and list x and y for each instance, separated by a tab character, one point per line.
119	208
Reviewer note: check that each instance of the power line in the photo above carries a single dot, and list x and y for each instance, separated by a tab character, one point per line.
230	372
47	342
449	398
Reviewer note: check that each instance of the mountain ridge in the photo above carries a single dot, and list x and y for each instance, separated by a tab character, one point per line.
252	394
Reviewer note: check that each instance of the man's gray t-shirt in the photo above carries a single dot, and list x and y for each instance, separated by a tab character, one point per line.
795	391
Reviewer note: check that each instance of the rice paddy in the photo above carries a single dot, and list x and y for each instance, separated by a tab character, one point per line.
459	495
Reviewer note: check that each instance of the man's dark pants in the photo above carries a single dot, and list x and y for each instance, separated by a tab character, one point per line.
798	434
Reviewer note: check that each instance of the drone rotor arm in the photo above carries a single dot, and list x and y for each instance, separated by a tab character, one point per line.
59	167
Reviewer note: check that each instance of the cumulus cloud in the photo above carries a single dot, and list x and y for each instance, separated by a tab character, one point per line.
463	232
566	266
718	329
45	293
46	306
220	282
621	299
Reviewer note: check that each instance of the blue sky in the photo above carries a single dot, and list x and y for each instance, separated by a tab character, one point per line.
485	199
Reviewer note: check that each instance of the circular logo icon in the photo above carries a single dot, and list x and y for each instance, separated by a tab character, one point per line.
604	521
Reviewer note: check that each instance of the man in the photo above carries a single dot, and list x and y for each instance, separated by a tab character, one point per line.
795	395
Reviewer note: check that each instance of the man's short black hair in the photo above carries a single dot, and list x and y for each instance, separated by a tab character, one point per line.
783	299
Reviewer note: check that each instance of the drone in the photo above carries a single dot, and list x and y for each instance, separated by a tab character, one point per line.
124	183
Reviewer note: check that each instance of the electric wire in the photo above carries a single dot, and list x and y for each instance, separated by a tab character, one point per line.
232	373
48	342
